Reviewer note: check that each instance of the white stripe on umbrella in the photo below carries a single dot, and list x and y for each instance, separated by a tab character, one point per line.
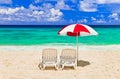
66	29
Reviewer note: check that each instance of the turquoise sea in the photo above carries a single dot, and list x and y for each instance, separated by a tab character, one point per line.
49	36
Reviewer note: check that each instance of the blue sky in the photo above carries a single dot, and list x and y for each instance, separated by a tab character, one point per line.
49	12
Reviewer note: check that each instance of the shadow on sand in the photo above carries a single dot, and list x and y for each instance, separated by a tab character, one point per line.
82	63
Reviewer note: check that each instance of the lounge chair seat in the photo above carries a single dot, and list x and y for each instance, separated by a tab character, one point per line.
68	58
49	58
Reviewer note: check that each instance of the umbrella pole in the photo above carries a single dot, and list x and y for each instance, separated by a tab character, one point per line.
77	45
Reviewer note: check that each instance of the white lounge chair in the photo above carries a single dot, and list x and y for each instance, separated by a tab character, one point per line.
49	58
68	58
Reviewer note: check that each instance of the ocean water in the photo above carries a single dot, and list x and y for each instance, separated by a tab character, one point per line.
49	36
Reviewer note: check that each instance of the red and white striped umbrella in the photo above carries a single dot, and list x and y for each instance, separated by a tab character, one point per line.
77	30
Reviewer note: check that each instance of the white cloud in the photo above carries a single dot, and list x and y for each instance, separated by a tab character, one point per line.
55	15
29	15
82	21
101	1
5	1
7	18
38	1
10	10
38	12
93	19
92	5
55	12
107	1
61	5
114	16
32	7
100	21
46	6
87	6
46	12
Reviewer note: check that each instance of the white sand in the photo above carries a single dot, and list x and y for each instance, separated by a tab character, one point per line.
97	62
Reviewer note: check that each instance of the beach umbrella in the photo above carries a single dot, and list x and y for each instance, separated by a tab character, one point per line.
77	30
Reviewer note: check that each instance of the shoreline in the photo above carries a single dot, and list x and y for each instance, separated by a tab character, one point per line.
57	44
60	46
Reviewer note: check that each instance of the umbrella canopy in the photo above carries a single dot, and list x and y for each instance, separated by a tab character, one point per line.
77	30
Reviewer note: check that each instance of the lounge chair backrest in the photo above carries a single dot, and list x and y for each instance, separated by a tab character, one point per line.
70	53
49	54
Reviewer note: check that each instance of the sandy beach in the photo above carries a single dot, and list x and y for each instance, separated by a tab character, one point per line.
95	62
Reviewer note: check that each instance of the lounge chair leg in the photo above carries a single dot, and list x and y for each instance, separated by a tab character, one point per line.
62	66
75	66
56	66
42	67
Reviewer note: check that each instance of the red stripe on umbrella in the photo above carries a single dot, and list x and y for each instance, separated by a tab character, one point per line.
80	28
73	34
